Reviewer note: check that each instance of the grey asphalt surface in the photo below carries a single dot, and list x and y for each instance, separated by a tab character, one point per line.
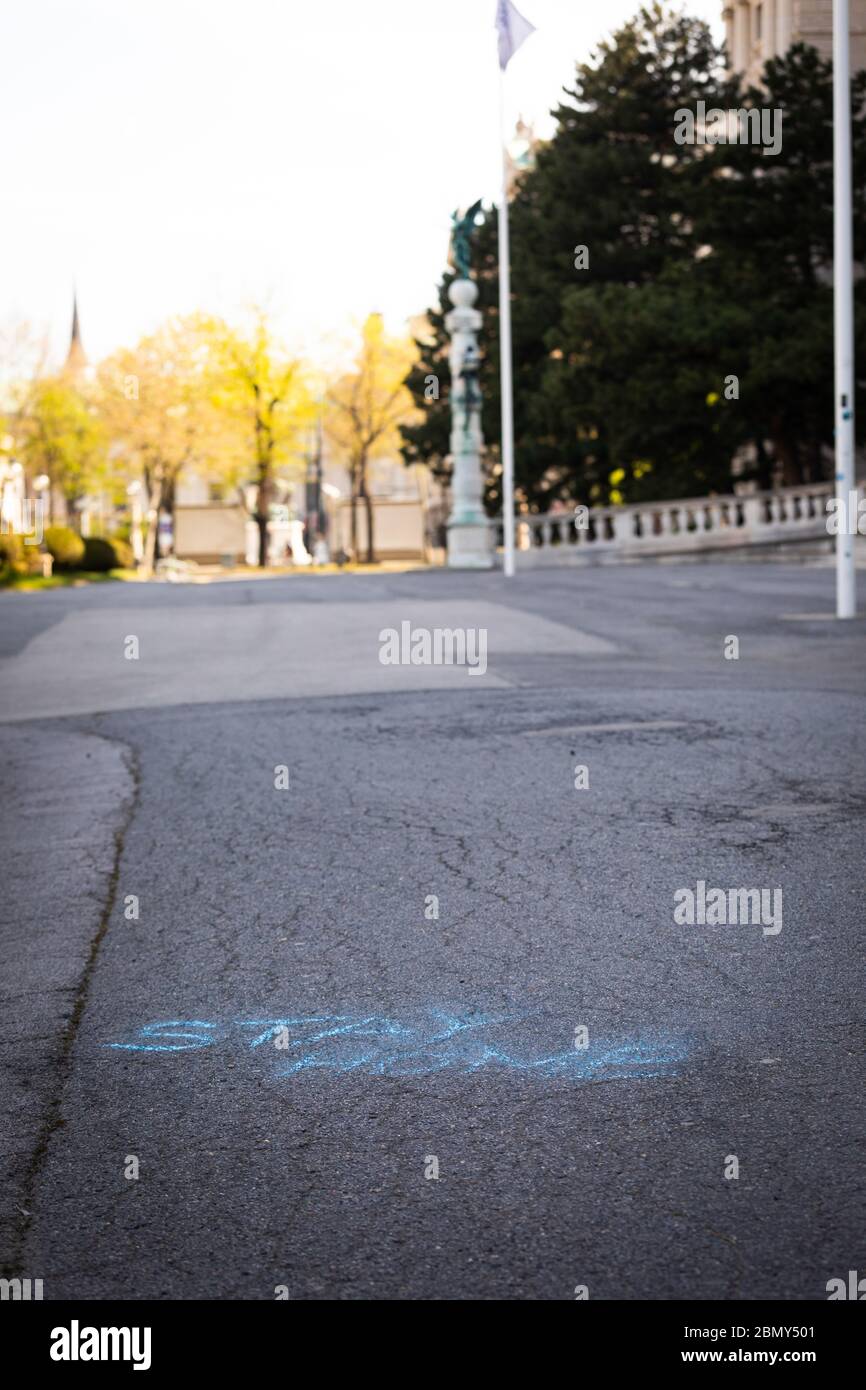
303	1165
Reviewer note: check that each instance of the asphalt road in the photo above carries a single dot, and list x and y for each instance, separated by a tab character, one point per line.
290	1042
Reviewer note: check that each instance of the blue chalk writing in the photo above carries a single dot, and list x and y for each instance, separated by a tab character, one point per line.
431	1041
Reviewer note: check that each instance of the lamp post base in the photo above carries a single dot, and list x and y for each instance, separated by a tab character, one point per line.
469	546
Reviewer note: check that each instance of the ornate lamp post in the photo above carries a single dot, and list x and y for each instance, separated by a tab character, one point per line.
469	531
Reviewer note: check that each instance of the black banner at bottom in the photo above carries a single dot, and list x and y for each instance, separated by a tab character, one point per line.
161	1339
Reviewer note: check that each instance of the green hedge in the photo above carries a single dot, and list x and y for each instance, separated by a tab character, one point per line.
66	547
17	558
13	558
94	555
102	555
11	552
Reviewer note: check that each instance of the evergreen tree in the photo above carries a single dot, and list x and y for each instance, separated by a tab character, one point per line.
612	179
767	222
698	320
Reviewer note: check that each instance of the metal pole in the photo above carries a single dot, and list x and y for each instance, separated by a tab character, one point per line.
843	297
505	352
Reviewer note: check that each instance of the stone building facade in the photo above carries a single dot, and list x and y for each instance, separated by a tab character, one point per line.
756	30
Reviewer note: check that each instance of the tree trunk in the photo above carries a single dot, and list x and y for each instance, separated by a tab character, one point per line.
261	520
368	507
150	540
262	512
154	501
353	521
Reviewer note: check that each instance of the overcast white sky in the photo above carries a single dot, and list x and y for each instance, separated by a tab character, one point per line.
169	155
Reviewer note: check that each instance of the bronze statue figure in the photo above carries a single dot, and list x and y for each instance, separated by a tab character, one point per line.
461	244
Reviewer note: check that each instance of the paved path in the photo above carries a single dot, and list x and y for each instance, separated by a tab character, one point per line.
287	1038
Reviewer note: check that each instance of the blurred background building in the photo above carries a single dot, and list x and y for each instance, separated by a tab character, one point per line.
756	30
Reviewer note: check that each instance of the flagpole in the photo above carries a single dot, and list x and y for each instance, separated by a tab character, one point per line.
505	375
843	296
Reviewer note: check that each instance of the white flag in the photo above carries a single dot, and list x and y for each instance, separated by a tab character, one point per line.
513	29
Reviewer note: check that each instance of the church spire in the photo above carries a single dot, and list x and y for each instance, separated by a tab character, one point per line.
75	358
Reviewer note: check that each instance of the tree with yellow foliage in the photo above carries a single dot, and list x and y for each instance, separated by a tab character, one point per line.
63	438
157	402
365	409
263	393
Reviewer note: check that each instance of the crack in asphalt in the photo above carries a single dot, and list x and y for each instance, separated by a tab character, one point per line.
53	1120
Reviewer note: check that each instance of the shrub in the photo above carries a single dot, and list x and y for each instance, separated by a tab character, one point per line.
102	555
17	558
66	546
32	562
124	553
12	558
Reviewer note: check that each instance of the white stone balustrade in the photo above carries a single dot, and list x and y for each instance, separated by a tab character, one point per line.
669	528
